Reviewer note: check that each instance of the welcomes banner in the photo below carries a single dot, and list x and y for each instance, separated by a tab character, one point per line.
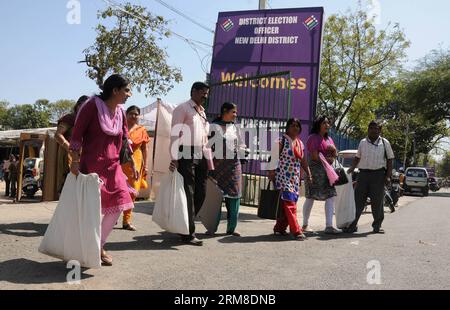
249	43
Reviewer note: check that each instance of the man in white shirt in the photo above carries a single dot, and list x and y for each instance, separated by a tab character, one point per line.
189	137
374	159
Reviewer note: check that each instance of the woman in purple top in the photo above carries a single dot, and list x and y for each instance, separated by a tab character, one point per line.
320	143
97	137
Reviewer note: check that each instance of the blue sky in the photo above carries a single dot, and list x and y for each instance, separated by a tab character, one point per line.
40	50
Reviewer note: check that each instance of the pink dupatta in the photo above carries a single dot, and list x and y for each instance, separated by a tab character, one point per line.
331	174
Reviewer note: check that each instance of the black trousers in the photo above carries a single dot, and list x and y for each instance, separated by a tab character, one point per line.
370	184
195	173
7	183
13	186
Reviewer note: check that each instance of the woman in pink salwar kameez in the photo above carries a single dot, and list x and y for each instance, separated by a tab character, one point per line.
97	136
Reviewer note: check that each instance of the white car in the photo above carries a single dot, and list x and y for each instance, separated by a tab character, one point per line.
416	180
345	158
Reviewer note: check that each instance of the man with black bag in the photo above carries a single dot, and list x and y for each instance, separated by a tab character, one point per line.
374	159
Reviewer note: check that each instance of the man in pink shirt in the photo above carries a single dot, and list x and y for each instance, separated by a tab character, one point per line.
189	137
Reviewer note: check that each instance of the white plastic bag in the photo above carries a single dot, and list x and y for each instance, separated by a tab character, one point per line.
170	211
345	207
74	230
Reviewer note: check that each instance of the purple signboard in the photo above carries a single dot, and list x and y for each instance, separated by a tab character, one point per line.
265	41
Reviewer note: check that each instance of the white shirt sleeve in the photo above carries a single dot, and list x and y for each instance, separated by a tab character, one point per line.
359	153
389	151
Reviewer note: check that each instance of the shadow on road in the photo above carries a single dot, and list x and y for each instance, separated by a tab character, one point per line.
253	239
321	236
24	229
24	271
163	241
146	207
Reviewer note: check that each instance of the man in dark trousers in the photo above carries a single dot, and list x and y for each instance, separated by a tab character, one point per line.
374	159
13	175
6	164
190	130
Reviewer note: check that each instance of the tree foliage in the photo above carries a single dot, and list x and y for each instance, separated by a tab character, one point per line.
60	108
429	86
130	48
357	61
3	111
41	114
444	166
28	116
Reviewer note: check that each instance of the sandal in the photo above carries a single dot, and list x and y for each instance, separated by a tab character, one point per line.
280	233
130	227
106	259
306	229
299	237
331	231
234	233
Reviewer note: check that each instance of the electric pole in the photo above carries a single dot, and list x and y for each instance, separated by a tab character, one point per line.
262	4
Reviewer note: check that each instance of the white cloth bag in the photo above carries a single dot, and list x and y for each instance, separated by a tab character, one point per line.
345	207
74	230
170	211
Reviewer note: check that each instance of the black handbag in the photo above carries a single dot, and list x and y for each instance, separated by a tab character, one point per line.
125	154
340	171
269	204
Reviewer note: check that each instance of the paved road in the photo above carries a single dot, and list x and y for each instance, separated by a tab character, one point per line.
413	254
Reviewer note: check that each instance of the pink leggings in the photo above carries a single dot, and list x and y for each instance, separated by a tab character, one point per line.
108	222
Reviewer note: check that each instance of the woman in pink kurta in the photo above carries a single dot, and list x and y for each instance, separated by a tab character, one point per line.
97	136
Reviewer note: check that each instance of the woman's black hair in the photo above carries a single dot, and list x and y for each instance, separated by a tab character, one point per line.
133	107
115	81
292	121
80	101
226	107
316	125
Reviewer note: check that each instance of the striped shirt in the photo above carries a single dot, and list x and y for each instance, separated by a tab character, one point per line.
372	155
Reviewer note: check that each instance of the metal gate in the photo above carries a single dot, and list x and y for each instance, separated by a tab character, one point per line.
264	106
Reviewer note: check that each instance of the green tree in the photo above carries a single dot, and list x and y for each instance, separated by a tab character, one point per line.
28	116
357	60
409	128
444	166
130	48
3	112
60	108
428	86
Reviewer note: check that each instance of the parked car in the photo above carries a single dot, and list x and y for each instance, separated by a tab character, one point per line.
416	181
345	158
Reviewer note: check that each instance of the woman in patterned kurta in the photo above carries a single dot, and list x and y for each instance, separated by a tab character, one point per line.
227	167
287	178
97	135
